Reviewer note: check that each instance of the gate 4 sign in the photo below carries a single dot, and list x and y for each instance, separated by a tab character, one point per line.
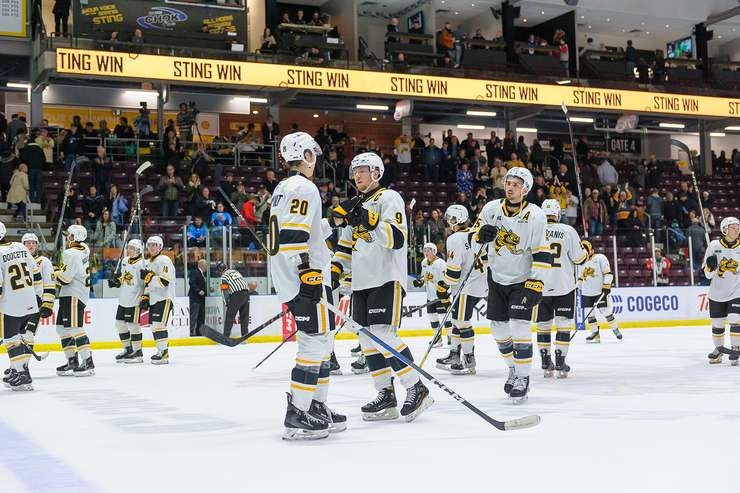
624	145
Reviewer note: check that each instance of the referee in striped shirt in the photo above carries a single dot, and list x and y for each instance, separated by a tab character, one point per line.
235	290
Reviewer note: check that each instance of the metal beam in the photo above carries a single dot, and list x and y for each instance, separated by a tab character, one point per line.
722	16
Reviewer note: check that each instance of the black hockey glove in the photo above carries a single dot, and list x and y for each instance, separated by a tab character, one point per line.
312	283
361	217
143	302
443	293
114	282
712	263
605	290
336	273
532	293
46	309
418	283
487	233
343	210
146	276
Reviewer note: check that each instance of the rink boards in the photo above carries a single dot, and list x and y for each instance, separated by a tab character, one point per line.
633	307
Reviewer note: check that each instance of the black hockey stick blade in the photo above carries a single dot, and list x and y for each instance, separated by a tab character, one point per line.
726	350
224	340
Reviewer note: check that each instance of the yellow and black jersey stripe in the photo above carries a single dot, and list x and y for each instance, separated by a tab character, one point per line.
396	236
343	250
541	257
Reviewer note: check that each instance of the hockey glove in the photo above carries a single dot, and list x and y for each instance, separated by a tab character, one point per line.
312	283
532	293
336	273
114	282
363	218
146	276
143	302
345	208
712	263
46	310
418	283
605	290
443	293
487	233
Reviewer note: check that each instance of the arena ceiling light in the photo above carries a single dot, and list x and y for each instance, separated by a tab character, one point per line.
581	119
470	127
18	85
733	129
480	113
249	99
717	134
563	82
139	92
373	107
526	130
671	125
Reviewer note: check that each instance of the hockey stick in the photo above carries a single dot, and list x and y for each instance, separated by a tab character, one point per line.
30	351
598	300
238	213
726	350
139	171
419	308
222	339
285	339
577	168
134	213
514	424
686	149
67	186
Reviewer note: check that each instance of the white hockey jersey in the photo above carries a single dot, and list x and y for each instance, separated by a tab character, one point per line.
595	274
379	256
162	285
296	228
461	251
132	285
520	251
725	280
431	274
47	289
567	253
74	276
19	278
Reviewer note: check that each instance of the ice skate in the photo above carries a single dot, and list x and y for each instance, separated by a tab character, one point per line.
68	369
10	374
617	334
734	358
300	425
161	358
86	369
417	400
22	381
334	368
715	357
382	408
135	357
520	390
126	353
447	362
547	366
360	366
560	366
510	380
356	351
464	365
337	422
595	337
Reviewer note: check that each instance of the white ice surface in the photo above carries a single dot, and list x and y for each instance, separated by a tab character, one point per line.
646	414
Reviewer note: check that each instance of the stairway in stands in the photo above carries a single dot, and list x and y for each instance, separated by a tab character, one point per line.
38	222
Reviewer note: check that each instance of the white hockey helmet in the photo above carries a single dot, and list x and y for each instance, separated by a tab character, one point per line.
29	237
456	214
430	246
369	159
136	245
551	207
2	231
155	240
77	232
726	223
293	147
523	174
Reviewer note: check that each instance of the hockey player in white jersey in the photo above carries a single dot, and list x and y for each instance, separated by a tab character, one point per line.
74	279
721	266
301	273
19	276
559	297
379	274
432	272
518	256
158	276
45	291
595	278
131	285
462	250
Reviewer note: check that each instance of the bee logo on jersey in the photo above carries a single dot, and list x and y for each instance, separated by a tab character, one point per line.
360	232
588	272
428	277
727	265
127	278
507	239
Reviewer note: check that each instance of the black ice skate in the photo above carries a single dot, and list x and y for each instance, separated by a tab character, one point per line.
547	366
510	380
300	425
715	357
617	334
356	351
125	354
560	365
161	358
452	358
417	400
10	374
383	407
594	338
520	390
68	370
360	366
135	357
464	366
22	381
734	358
337	422
334	368
86	369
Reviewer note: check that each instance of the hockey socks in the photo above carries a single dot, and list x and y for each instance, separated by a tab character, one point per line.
83	345
123	333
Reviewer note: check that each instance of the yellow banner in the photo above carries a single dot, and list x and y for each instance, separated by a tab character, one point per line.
178	69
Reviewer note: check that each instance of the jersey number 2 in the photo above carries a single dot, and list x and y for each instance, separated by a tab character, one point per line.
557	250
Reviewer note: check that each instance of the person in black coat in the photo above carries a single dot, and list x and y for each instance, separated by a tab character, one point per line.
197	297
61	17
34	157
270	131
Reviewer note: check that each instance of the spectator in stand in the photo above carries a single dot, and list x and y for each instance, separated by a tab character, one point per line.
630	59
596	213
71	147
709	220
497	178
239	196
464	200
416	28
18	193
522	150
671	209
204	204
197	232
655	209
300	19
270	131
271	182
564	57
624	212
170	186
61	17
436	227
392	27
419	228
268	44
192	192
431	158
102	169
589	176
103	129
46	144
34	157
483	177
470	144
476	159
465	179
607	173
514	161
138	37
248	211
21	138
105	232
228	185
582	149
173	150
566	178
220	218
558	192
123	130
509	144
262	205
402	150
706	199
640	175
695	232
15	124
92	208
570	213
185	119
201	161
539	190
118	206
662	267
492	154
537	154
90	140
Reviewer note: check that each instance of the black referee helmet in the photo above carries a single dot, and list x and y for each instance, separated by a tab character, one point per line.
221	267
